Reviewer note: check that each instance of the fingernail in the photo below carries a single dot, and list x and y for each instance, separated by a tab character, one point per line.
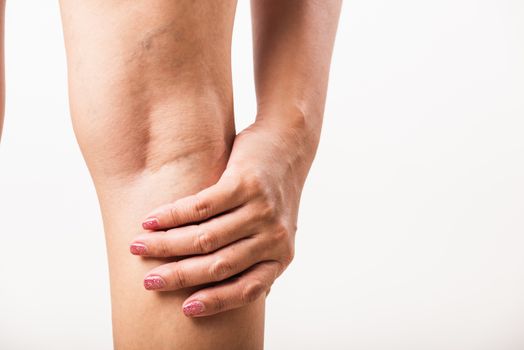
154	282
193	308
151	224
138	249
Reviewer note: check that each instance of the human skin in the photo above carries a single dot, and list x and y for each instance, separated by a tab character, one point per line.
244	225
152	108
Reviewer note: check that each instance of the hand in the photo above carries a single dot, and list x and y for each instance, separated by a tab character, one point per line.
239	233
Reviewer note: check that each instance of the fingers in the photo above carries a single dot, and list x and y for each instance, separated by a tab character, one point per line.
203	269
235	292
213	200
203	238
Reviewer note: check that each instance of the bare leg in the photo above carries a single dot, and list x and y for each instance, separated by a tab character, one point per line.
152	108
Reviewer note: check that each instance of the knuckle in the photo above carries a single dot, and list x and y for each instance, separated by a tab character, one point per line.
282	236
173	213
201	207
254	182
219	302
221	269
252	290
163	249
179	277
280	233
281	229
206	242
268	210
232	182
289	254
280	268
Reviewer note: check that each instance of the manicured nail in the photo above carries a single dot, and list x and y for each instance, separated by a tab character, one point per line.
151	224
138	249
154	282
193	308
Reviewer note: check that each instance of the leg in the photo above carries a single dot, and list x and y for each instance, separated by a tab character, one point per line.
152	107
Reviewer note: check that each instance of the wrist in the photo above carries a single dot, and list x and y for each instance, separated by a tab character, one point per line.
293	122
286	140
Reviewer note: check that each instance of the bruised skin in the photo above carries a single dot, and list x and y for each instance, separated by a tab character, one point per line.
152	108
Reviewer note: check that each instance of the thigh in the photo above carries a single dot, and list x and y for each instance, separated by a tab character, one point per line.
145	76
152	110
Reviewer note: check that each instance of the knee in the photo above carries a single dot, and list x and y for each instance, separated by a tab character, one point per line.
125	144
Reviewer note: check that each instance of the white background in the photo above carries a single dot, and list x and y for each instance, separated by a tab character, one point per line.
411	233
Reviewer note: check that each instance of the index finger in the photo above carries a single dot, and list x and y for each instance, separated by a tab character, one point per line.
216	199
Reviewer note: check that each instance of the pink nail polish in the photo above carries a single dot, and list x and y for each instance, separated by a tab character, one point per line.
151	224
193	308
154	282
138	249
